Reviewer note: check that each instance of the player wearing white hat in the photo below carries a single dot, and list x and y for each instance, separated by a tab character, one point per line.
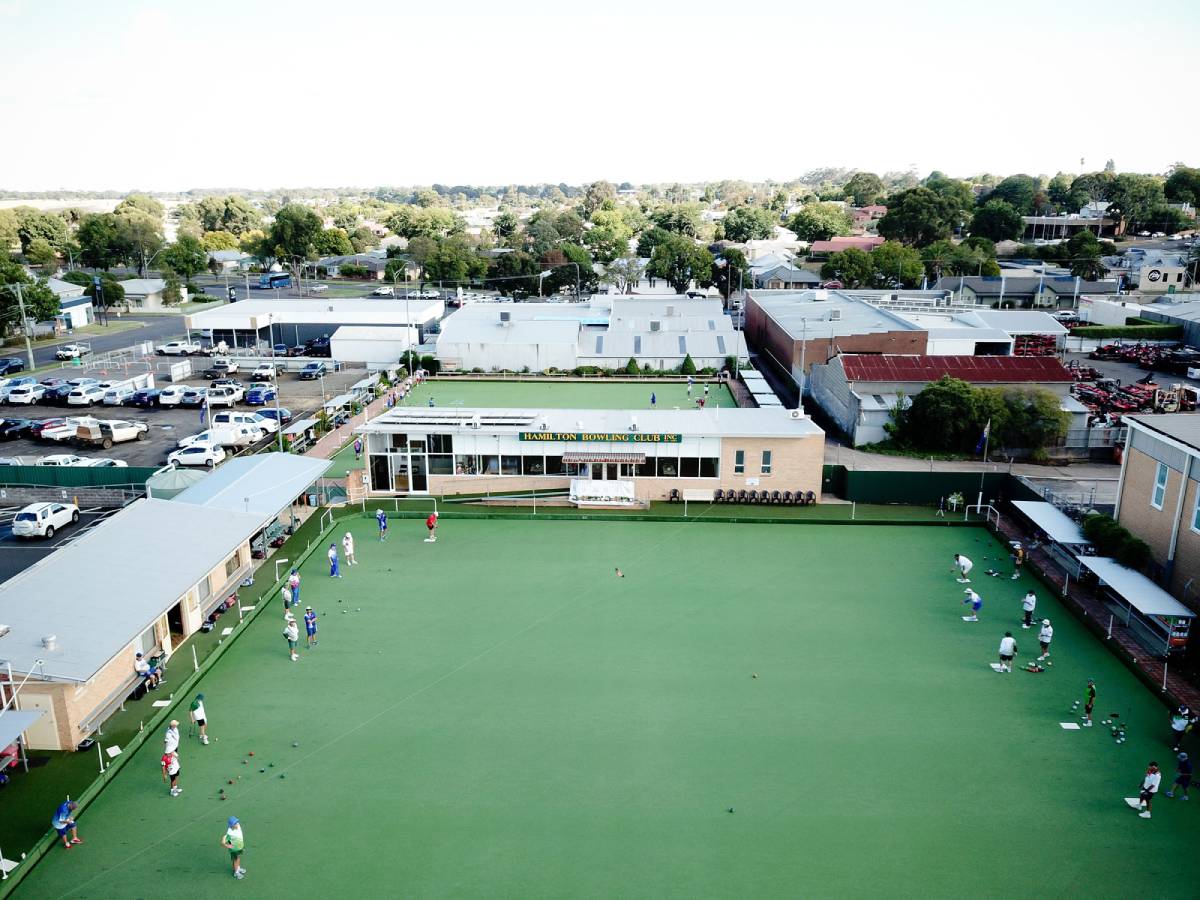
1045	636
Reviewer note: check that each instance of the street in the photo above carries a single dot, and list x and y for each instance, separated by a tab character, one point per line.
156	328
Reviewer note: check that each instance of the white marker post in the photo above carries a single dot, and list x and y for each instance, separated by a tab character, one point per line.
195	661
100	753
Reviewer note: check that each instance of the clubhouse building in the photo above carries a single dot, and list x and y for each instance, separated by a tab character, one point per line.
638	455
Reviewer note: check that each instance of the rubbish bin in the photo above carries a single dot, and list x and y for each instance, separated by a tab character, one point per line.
314	499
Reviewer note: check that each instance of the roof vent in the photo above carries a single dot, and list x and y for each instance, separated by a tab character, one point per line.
835	315
505	317
4	629
50	641
655	326
670	310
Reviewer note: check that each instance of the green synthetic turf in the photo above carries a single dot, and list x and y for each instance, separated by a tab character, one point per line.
507	718
566	394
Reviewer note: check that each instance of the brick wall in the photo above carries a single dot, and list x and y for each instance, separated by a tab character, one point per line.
1187	554
13	495
1152	525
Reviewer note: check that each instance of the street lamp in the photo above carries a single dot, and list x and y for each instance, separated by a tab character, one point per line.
275	378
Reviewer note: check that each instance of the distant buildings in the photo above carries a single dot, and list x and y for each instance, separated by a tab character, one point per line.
1024	292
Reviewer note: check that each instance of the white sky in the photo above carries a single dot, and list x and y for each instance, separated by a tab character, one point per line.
175	94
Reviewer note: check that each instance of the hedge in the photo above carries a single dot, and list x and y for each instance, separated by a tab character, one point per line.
1137	332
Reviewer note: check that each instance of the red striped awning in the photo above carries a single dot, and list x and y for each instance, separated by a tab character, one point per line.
599	456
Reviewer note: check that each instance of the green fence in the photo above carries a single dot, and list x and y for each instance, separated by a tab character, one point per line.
76	476
922	488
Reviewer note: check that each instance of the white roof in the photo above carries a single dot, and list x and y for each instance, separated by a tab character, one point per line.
261	485
1021	321
140	287
253	313
375	333
1138	591
300	426
65	288
811	315
154	550
1059	527
711	421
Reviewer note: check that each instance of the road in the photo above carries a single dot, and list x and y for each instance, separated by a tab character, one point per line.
155	328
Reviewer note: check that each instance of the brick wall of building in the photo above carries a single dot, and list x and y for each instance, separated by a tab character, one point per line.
1152	525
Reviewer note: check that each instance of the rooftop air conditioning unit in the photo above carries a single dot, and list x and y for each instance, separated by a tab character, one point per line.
835	315
475	423
670	310
656	326
50	641
505	317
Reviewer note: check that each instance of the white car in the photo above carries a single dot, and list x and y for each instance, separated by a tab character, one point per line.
201	437
383	292
25	394
66	460
223	396
121	430
87	395
318	288
118	396
72	351
172	394
177	348
105	463
197	455
43	519
264	370
251	420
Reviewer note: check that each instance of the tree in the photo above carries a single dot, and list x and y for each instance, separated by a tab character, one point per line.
729	271
851	267
895	265
820	222
140	203
230	213
363	239
563	272
1183	186
997	220
944	416
688	367
8	231
1018	191
957	197
41	303
455	260
332	242
680	218
864	188
918	216
33	224
420	249
609	236
513	272
623	273
1058	192
415	221
680	261
40	253
219	240
139	236
294	232
974	256
749	223
597	195
569	226
1134	198
505	226
186	257
173	290
649	239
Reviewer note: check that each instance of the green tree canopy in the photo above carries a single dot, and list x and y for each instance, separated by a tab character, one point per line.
416	221
730	271
680	261
363	239
139	236
649	239
1018	191
821	221
219	240
229	213
332	242
679	218
455	260
41	303
997	220
852	267
1183	185
33	224
918	216
864	188
40	253
294	232
140	203
749	223
186	257
895	265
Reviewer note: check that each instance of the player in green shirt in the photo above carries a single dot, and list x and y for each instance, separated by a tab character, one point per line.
234	842
1089	700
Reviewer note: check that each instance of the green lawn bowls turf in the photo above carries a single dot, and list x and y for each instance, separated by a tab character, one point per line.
536	727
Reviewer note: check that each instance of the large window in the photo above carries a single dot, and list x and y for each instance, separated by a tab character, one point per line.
646	469
510	465
466	465
533	465
766	462
668	467
1160	486
441	464
739	462
399	441
689	467
231	565
441	443
554	465
710	467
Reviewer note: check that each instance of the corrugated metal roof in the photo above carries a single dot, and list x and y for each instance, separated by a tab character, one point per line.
975	369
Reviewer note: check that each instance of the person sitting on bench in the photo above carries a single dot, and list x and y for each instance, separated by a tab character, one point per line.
149	676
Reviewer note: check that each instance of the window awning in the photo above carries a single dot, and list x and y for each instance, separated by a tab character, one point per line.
600	456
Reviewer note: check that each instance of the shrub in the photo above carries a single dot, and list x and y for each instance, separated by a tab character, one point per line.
1111	538
631	367
688	367
1155	332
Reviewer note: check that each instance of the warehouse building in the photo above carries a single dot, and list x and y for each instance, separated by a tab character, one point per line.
605	332
641	455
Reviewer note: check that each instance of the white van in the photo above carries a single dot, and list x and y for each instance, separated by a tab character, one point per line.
250	420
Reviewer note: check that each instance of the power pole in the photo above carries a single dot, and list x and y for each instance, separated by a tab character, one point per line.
24	326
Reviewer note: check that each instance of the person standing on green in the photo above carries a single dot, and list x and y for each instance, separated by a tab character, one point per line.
234	842
1090	697
199	717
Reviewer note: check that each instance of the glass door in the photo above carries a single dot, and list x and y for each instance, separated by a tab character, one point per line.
417	480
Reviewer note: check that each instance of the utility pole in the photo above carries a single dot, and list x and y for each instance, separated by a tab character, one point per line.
24	326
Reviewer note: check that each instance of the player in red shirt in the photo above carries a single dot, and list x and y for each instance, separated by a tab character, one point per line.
431	524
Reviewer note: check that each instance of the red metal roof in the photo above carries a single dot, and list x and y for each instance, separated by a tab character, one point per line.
975	369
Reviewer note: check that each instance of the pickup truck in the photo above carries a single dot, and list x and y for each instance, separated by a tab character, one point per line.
224	396
221	368
106	432
72	351
178	348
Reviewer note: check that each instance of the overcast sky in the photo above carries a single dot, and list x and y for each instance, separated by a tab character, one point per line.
174	94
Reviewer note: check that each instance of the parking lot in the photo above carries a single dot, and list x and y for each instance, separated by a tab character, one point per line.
18	554
167	424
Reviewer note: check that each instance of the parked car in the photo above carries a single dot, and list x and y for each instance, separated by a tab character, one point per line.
249	419
194	396
107	432
106	463
318	288
298	350
119	395
385	291
10	364
11	429
221	368
228	382
223	396
86	395
198	455
43	519
280	350
260	394
146	397
57	395
317	347
35	430
200	437
26	394
172	395
265	370
72	351
65	429
11	384
312	370
283	415
178	348
63	460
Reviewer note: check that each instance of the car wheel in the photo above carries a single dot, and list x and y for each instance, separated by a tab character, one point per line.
106	443
141	436
75	516
49	531
210	463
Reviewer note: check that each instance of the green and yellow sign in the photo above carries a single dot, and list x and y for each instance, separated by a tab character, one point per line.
602	437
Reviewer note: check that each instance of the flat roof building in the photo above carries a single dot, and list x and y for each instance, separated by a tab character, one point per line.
649	452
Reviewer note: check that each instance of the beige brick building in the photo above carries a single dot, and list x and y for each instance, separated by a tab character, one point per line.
415	451
1159	496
